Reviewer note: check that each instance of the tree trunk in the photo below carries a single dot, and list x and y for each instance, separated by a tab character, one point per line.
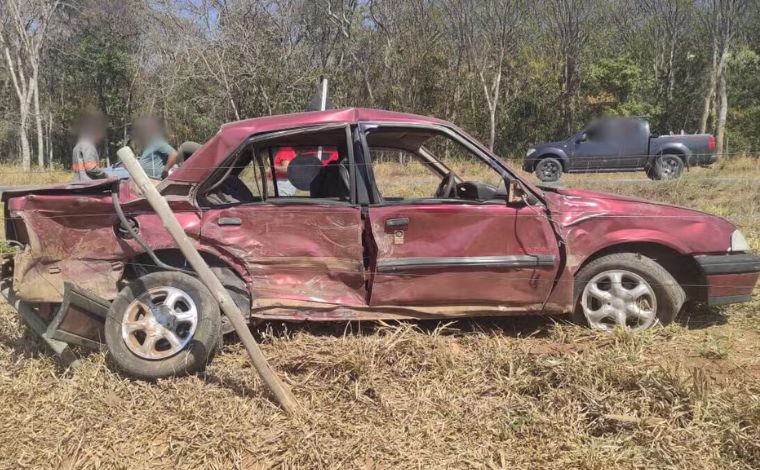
720	128
710	90
26	153
50	138
38	122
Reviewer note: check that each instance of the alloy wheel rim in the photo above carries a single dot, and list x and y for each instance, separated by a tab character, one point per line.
669	167
159	323
619	298
550	170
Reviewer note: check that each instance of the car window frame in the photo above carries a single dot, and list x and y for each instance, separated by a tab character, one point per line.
366	162
226	166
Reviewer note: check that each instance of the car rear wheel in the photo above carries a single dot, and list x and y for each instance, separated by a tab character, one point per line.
548	169
163	324
668	167
626	290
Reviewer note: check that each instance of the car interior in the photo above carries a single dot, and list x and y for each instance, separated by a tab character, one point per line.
426	165
317	169
454	172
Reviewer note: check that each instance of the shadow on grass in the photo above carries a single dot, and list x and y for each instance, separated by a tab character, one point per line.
25	344
515	326
695	316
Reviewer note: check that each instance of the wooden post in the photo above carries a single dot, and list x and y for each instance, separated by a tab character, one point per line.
164	212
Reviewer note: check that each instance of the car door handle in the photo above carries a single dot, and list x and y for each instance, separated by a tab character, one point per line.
230	221
397	223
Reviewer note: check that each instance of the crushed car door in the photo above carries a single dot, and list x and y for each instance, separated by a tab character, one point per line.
447	251
462	254
301	246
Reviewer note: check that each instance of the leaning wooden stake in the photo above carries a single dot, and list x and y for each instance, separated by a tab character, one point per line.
164	212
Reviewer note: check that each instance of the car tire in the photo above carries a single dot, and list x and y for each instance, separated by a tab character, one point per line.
548	169
649	170
668	167
175	336
626	290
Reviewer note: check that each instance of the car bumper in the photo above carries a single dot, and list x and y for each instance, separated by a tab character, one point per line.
730	278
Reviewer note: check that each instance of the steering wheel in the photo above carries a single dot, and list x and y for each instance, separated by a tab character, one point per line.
447	188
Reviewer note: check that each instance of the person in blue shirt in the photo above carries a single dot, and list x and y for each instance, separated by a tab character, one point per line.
157	157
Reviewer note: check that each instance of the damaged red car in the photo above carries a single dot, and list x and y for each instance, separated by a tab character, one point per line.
410	218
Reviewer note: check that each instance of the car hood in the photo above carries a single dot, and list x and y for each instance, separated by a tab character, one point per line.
637	219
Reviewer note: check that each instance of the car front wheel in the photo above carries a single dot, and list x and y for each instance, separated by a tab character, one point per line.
162	324
626	290
548	170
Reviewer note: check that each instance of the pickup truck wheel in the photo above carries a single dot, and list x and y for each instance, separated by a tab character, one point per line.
163	324
668	167
626	290
548	169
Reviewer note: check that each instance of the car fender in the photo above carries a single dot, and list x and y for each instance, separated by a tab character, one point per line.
677	148
585	247
552	152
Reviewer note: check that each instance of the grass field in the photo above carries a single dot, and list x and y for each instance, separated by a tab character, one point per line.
529	392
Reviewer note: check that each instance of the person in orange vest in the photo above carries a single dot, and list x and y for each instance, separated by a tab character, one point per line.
85	159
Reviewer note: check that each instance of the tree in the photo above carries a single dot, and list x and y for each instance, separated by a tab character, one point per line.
22	38
723	18
486	30
568	27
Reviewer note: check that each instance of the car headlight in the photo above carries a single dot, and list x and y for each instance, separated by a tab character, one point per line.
530	152
738	243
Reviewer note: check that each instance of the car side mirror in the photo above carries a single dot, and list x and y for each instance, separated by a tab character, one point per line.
515	192
582	138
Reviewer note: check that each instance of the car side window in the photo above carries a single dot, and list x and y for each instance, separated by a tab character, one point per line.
416	163
298	167
400	174
305	171
251	177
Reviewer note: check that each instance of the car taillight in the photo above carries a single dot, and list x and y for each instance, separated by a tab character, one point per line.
712	143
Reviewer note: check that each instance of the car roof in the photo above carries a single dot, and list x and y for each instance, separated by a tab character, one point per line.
230	136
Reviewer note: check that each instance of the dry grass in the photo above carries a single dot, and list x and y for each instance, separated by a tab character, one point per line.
12	175
502	393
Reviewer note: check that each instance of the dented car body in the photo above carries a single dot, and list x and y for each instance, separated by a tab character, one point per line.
343	249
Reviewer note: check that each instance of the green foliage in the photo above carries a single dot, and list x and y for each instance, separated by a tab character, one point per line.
618	86
201	64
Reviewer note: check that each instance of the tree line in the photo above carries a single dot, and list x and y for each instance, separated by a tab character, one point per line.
511	72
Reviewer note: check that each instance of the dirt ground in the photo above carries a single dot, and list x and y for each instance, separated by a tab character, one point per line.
514	392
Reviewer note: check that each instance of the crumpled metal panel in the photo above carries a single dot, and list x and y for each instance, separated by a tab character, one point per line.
39	280
590	222
300	251
71	237
463	230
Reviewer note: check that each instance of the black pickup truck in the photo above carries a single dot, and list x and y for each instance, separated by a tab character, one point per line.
620	144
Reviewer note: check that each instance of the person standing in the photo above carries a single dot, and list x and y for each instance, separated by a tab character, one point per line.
157	157
85	163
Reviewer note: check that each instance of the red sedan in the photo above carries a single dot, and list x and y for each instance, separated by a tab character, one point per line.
410	218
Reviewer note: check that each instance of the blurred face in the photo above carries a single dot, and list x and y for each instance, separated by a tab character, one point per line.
94	128
98	135
146	129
